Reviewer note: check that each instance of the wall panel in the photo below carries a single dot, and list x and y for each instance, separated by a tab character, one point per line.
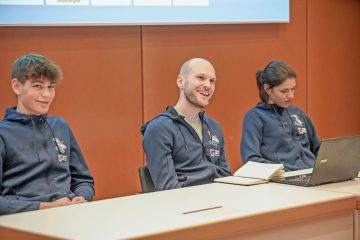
333	66
100	96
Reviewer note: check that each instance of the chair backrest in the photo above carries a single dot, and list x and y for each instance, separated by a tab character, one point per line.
146	182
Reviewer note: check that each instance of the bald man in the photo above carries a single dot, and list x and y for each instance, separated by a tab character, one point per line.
183	146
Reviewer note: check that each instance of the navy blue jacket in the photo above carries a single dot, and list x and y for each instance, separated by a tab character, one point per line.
272	134
40	161
176	156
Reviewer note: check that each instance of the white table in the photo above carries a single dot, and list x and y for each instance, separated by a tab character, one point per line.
352	187
265	211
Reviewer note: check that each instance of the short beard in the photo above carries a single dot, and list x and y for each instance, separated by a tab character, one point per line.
192	99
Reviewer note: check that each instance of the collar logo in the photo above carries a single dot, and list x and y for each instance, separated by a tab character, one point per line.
296	120
60	144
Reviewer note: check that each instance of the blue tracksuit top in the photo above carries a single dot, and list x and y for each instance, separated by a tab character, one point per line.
176	157
272	134
40	161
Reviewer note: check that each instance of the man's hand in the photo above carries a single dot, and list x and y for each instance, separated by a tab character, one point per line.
60	202
63	202
78	199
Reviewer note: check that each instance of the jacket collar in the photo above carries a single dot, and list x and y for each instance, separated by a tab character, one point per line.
12	115
272	107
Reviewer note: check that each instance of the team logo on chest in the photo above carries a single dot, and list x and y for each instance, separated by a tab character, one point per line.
61	147
299	125
213	139
214	153
296	120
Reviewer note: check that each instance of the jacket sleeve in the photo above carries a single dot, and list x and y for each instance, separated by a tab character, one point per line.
82	183
251	139
158	147
7	205
313	138
223	168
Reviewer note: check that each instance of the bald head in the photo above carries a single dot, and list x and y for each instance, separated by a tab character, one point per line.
188	66
196	82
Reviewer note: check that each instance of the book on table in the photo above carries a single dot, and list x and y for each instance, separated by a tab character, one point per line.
254	173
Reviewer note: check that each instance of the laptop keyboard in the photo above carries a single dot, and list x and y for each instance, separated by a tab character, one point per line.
301	179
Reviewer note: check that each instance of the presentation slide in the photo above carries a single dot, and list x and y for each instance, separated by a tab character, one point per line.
141	12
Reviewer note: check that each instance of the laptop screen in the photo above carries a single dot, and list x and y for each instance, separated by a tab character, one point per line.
338	159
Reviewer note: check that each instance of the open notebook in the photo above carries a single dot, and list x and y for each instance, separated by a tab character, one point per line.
254	173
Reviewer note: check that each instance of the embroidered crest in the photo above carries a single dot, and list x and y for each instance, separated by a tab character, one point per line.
296	120
213	139
60	144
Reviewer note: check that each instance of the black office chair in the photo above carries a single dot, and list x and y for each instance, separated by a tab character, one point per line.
146	182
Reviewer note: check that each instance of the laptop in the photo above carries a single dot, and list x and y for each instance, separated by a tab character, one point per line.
338	160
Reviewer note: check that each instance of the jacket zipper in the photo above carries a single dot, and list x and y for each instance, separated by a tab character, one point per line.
49	157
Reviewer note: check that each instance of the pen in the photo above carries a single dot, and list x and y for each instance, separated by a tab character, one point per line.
203	209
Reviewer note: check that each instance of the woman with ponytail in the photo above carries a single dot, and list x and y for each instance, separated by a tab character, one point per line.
274	131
